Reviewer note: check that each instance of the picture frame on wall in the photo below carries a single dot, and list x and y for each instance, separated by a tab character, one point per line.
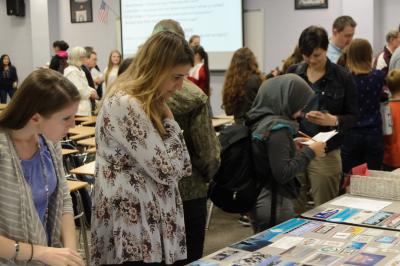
81	11
310	4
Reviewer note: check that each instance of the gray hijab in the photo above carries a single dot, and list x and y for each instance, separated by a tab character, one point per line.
277	100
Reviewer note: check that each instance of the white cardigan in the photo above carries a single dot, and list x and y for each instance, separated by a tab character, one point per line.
78	78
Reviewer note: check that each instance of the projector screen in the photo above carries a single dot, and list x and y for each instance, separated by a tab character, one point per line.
218	22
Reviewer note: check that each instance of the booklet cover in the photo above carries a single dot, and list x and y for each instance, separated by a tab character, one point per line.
321	137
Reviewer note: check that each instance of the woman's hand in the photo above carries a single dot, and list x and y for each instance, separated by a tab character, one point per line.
322	118
57	256
15	84
318	148
93	95
298	141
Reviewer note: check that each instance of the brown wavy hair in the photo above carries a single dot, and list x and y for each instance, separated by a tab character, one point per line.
295	58
243	65
359	56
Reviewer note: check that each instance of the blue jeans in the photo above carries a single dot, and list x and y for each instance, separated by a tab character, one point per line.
360	148
4	92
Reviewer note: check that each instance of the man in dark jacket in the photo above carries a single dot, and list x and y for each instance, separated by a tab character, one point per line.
189	106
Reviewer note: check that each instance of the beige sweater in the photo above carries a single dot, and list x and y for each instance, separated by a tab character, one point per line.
18	216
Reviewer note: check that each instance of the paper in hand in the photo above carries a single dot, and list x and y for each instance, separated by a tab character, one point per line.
321	137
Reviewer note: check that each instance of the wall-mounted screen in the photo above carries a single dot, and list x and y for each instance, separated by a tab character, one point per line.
218	22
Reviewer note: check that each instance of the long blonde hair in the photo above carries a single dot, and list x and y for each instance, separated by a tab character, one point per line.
111	65
151	68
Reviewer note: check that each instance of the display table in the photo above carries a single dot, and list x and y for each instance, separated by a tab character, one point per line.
308	242
357	210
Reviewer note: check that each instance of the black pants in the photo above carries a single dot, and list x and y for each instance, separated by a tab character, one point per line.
357	149
4	92
195	223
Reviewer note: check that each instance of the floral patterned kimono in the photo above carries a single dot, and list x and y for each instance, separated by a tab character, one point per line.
137	209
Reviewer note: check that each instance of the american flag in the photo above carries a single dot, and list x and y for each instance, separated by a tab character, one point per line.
103	12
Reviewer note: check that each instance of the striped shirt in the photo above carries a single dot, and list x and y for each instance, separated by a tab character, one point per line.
19	219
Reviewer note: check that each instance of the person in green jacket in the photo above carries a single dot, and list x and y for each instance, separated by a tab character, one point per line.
190	110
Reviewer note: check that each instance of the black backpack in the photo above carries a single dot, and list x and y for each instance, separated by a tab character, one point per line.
235	187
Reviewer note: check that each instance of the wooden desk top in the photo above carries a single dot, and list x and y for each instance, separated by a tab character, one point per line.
81	130
3	106
91	142
91	150
75	185
80	136
216	122
84	118
86	169
223	116
68	151
90	121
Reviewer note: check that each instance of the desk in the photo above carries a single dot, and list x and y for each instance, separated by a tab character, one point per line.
91	142
86	169
84	118
80	136
91	150
74	186
217	122
3	106
223	116
90	121
68	151
311	243
344	209
81	132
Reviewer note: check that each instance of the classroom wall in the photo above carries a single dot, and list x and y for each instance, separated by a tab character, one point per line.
390	18
16	39
102	36
40	32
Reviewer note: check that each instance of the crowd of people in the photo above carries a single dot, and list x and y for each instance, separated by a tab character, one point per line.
157	149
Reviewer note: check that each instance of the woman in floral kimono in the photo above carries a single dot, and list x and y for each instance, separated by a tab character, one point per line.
141	155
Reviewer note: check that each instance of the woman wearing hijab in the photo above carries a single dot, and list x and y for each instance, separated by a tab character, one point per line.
280	102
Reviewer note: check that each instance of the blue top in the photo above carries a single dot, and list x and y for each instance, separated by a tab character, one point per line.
369	87
34	175
333	52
